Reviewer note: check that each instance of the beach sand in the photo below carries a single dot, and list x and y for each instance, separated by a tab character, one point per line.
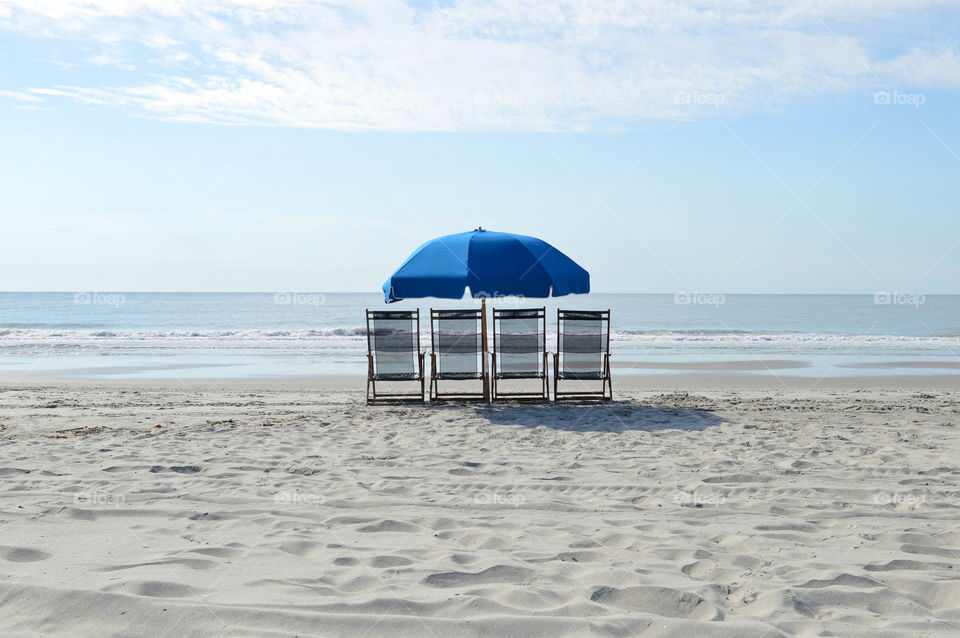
687	507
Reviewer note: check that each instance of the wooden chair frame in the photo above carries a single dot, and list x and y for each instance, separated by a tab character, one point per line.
375	398
435	394
606	391
544	394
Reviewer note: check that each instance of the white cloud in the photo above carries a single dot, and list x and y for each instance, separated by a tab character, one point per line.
480	65
21	96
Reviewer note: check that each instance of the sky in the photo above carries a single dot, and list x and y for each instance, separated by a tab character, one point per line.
712	146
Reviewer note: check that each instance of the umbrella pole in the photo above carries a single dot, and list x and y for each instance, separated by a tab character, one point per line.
483	344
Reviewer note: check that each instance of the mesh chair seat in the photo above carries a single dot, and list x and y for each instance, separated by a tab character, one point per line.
457	352
393	351
583	352
519	350
396	376
520	375
592	375
458	376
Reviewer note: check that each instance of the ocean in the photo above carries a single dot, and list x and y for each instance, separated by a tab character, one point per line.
136	335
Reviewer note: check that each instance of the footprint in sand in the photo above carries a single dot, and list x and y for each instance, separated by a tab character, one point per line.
390	526
493	575
843	580
661	601
390	561
22	554
156	589
299	548
179	469
219	552
907	565
346	561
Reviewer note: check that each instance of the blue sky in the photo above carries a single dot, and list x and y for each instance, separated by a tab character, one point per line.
254	145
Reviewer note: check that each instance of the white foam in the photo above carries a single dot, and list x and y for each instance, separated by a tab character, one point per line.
347	335
42	335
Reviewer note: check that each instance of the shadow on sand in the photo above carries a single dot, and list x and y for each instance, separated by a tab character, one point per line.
616	416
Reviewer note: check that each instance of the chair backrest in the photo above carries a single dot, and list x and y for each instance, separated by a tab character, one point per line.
393	339
519	340
583	338
457	341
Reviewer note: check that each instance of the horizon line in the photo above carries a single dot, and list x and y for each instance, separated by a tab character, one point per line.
380	293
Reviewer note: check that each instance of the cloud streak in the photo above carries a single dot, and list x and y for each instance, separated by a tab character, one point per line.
475	66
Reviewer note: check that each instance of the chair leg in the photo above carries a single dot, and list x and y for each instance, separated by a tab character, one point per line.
546	376
556	374
492	381
370	379
609	379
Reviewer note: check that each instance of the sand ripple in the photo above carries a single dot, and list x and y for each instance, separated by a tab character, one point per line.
278	513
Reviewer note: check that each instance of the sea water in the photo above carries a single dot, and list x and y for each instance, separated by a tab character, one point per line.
278	334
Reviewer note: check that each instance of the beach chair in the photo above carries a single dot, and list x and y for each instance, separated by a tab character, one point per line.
393	354
583	353
519	351
456	353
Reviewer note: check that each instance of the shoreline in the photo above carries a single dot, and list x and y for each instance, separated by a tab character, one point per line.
674	381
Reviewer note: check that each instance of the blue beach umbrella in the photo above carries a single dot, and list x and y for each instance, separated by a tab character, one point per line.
491	264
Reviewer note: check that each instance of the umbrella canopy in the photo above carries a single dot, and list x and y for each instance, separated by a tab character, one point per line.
492	264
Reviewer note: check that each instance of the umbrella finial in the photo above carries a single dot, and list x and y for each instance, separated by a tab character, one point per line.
479	229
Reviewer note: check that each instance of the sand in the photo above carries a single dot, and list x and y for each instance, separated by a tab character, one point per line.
291	509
